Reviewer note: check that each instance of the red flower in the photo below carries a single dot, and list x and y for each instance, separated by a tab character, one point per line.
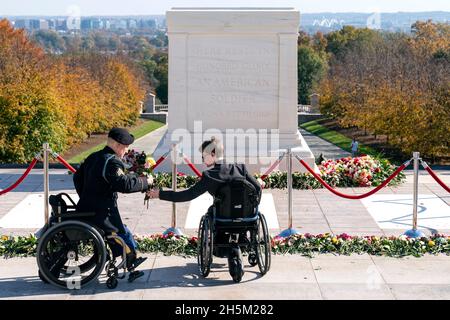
344	236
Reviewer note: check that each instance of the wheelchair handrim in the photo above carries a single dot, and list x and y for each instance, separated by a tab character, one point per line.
60	229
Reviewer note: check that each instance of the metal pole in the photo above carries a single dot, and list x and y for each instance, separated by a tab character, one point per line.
414	233
290	230
289	186
46	149
174	184
416	188
173	229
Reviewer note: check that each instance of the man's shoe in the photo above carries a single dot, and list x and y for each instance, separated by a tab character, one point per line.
133	262
134	275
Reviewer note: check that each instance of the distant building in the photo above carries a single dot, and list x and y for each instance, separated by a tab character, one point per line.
122	24
86	24
132	24
147	24
97	24
43	24
61	25
35	24
22	24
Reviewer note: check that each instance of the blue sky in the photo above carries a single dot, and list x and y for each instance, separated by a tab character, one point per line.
141	7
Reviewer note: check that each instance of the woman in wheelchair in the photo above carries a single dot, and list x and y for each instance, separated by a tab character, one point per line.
233	220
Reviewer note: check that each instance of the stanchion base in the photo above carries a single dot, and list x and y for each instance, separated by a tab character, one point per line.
414	233
288	232
175	231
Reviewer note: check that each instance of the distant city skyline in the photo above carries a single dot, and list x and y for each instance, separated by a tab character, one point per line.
146	7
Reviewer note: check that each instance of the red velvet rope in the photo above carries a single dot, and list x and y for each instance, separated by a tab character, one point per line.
354	197
272	167
189	163
435	177
32	164
65	163
161	159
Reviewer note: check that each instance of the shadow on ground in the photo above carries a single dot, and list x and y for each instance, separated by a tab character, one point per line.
166	277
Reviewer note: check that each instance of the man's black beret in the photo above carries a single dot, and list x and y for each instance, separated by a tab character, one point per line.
121	135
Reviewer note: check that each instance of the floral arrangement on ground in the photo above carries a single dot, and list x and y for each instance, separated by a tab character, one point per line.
363	171
304	244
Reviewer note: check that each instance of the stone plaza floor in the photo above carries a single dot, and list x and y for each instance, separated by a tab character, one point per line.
291	276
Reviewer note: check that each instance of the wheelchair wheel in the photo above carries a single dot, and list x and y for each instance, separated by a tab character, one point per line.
111	283
205	245
263	247
71	255
235	264
42	277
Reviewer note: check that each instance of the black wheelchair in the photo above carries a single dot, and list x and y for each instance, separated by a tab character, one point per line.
234	225
72	253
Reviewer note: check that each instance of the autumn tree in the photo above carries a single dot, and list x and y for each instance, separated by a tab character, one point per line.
395	85
60	99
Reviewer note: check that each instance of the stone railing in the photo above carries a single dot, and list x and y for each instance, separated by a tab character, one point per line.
308	109
161	107
301	108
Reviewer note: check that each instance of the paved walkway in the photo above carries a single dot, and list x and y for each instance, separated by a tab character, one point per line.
314	211
319	146
149	142
290	277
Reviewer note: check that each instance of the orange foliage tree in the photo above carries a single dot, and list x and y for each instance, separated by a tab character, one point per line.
59	99
395	85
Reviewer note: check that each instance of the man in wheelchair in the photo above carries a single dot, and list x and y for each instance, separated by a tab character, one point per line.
97	182
228	183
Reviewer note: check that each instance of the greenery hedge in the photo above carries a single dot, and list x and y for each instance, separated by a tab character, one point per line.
304	244
363	171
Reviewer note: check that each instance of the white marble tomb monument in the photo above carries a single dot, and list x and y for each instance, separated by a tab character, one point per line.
233	75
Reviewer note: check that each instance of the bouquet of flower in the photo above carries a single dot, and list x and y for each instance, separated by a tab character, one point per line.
363	171
142	165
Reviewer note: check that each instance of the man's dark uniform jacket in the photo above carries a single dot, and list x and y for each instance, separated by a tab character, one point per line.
97	182
211	180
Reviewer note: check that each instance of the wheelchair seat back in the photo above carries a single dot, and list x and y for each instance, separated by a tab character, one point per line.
63	211
59	205
236	199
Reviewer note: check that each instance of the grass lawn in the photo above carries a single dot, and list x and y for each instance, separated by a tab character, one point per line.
139	131
336	138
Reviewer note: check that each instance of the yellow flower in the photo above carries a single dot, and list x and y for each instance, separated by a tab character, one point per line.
334	240
150	161
4	238
431	243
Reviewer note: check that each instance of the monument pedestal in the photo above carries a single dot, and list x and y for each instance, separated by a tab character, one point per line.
257	159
